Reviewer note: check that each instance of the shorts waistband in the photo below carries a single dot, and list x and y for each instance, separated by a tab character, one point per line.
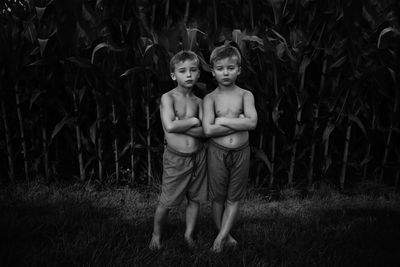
183	154
245	145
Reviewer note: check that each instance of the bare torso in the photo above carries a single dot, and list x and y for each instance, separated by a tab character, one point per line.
184	107
230	105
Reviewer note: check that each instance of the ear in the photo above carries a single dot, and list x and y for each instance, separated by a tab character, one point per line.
239	70
173	77
213	73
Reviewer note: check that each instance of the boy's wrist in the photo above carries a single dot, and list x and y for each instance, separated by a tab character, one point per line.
196	122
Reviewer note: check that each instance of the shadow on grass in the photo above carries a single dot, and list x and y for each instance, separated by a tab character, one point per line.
333	237
66	233
69	233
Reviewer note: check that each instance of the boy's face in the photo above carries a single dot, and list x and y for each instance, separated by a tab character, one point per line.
226	71
186	73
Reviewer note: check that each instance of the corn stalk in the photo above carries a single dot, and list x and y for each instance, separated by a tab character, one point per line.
345	154
97	137
45	149
22	132
131	120
148	139
389	136
11	173
368	152
297	130
116	156
260	146
186	15
75	97
316	125
132	136
272	177
397	177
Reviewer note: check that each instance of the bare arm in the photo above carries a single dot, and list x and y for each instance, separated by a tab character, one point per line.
169	123
198	131
210	128
243	123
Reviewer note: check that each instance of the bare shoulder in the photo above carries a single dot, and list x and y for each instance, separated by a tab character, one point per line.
168	95
245	92
210	96
167	99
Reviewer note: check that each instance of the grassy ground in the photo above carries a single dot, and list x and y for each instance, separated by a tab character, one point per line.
80	225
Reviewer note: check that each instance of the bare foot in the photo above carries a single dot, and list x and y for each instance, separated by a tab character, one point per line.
217	246
155	243
190	242
231	242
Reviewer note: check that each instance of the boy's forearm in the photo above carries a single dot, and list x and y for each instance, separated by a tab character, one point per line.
215	130
181	126
197	132
238	124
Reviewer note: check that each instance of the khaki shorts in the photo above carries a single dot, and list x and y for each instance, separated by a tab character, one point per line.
184	174
228	170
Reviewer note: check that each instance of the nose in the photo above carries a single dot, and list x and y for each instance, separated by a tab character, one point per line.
189	73
225	71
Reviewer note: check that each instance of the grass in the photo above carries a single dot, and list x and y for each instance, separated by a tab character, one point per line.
79	225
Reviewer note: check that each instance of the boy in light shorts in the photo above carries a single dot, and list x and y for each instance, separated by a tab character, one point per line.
229	113
184	158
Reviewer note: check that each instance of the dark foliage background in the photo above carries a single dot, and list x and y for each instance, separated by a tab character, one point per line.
81	81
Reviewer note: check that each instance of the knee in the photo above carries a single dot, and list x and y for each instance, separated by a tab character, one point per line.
232	203
193	203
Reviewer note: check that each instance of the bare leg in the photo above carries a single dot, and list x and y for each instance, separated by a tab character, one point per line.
160	217
218	209
228	219
192	211
218	213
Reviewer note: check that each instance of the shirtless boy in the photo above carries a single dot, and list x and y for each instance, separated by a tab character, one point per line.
184	158
229	113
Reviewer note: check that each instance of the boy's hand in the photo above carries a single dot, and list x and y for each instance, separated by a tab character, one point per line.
241	116
219	120
196	122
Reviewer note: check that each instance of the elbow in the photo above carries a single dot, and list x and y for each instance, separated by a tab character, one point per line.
253	124
206	131
168	128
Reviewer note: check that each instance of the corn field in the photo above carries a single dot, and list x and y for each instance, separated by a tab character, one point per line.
81	82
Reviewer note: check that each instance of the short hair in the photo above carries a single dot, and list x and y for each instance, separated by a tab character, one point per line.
225	51
183	56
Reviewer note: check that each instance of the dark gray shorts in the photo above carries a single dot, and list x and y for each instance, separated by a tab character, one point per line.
228	171
184	174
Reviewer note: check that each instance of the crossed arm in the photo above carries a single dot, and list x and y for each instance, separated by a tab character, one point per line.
224	126
190	126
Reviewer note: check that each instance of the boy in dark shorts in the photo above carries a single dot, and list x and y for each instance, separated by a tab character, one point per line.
184	158
229	113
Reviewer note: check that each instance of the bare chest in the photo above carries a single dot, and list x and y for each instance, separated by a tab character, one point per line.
228	106
185	108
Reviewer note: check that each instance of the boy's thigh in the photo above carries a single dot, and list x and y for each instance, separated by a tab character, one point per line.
175	179
239	173
218	174
198	185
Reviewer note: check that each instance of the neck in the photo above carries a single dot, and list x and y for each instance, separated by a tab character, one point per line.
184	90
226	88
